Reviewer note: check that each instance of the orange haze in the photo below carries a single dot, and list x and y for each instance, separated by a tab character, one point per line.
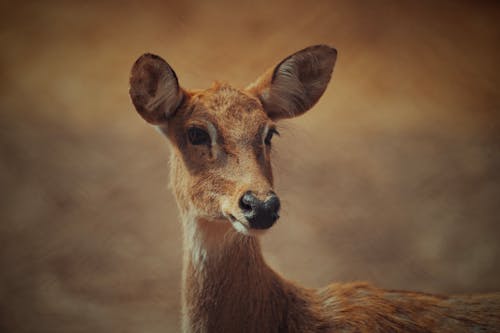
393	178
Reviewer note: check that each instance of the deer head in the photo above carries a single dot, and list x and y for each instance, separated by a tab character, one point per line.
221	136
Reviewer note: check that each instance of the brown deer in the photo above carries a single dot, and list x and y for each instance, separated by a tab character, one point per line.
222	179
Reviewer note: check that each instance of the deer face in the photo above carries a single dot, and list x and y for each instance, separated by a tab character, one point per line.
221	136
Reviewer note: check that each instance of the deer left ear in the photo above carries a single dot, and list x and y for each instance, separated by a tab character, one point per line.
154	89
296	83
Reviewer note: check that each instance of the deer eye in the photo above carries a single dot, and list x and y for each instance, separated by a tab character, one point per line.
269	136
198	136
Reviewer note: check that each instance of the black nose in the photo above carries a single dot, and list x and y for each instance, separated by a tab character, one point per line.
260	214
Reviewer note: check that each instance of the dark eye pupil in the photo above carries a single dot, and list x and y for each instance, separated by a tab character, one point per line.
197	136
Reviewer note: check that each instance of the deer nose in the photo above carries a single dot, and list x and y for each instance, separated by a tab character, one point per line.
260	214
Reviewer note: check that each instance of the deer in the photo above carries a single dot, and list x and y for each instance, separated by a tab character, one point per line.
220	173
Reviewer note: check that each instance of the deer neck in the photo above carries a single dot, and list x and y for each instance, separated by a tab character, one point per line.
209	244
225	279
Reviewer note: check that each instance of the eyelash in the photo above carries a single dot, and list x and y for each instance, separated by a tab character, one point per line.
269	136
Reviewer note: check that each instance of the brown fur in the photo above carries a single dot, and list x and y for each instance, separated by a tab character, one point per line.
227	285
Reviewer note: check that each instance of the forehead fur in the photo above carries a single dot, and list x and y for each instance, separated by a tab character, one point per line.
226	106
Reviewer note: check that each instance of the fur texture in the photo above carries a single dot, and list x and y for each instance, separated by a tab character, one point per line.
227	285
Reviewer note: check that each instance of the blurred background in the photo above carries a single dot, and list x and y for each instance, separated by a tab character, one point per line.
393	178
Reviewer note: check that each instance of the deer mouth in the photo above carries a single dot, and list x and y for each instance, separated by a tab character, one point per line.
239	225
244	227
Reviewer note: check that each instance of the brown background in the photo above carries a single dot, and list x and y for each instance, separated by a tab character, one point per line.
393	178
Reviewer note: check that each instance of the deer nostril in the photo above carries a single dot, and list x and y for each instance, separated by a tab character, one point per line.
247	202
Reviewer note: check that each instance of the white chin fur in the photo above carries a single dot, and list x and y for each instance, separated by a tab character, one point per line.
243	229
240	227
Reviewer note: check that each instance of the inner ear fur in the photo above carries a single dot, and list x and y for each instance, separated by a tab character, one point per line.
154	89
296	83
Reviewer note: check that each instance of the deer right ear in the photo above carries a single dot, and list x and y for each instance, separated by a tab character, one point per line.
296	83
154	89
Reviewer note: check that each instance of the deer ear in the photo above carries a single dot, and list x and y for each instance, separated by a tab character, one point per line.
296	83
154	89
